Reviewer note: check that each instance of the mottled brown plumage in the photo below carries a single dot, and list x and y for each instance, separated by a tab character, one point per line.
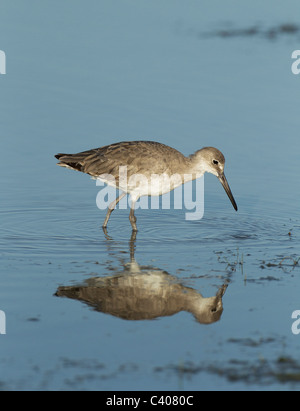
146	158
133	154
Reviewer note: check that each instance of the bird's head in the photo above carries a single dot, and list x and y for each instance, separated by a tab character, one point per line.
211	160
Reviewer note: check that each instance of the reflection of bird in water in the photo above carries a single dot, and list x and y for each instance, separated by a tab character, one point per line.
143	293
144	296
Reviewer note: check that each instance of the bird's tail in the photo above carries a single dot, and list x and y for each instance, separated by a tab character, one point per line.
73	161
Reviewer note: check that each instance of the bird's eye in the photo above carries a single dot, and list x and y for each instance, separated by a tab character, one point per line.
215	162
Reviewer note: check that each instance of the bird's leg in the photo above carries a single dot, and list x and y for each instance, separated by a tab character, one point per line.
132	218
111	208
132	245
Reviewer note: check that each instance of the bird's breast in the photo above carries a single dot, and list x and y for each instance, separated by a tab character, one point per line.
154	185
146	185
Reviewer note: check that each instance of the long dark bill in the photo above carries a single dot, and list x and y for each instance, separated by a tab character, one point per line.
225	184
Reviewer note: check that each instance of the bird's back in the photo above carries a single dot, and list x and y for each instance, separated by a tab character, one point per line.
140	157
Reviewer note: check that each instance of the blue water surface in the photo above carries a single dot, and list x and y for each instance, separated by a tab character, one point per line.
81	75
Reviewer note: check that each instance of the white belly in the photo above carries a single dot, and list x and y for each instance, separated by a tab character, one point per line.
139	185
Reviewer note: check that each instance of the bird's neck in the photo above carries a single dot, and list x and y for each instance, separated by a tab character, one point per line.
194	167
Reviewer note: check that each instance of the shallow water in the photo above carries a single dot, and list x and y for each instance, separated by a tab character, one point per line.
87	75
